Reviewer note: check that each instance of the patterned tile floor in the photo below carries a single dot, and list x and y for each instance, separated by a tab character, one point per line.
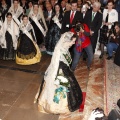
19	84
112	89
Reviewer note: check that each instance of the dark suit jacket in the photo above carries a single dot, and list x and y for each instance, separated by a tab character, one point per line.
46	16
96	23
8	2
66	20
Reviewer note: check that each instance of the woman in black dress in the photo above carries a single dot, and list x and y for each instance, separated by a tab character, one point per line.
9	38
60	92
28	51
38	22
54	32
17	11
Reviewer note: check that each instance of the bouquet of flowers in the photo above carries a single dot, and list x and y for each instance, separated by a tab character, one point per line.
62	82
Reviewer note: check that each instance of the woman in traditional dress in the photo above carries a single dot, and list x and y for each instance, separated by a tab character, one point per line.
110	16
38	22
28	51
60	92
3	9
9	38
17	11
54	32
1	35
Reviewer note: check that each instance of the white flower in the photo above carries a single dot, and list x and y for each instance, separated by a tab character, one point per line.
62	79
57	82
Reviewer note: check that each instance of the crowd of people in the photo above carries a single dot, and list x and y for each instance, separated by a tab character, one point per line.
47	20
66	30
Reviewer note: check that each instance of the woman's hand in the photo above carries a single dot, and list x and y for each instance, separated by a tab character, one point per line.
108	23
112	35
103	22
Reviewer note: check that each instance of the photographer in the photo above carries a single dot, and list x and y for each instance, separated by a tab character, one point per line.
114	41
83	42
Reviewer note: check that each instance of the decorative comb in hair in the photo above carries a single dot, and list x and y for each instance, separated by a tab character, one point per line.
68	36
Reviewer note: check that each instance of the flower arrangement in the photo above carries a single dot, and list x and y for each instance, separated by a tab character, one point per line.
60	93
62	82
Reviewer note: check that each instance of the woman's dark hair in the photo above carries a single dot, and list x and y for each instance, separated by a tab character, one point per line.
73	1
9	14
81	1
78	21
117	24
110	1
74	36
15	0
61	11
30	1
35	3
4	0
24	16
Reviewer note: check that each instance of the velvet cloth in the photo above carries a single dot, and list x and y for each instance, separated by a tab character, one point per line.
25	46
53	35
69	104
74	97
9	52
38	33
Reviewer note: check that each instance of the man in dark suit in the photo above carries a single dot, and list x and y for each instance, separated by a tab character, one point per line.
70	18
63	5
93	19
48	14
9	2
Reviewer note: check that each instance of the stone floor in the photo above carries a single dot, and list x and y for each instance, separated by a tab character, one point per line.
19	84
112	85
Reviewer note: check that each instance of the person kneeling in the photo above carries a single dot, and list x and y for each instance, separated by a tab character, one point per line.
114	41
83	42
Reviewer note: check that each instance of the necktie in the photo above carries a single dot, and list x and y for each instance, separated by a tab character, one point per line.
71	17
48	13
93	15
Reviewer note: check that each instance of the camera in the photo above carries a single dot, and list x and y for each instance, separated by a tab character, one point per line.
112	31
78	27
